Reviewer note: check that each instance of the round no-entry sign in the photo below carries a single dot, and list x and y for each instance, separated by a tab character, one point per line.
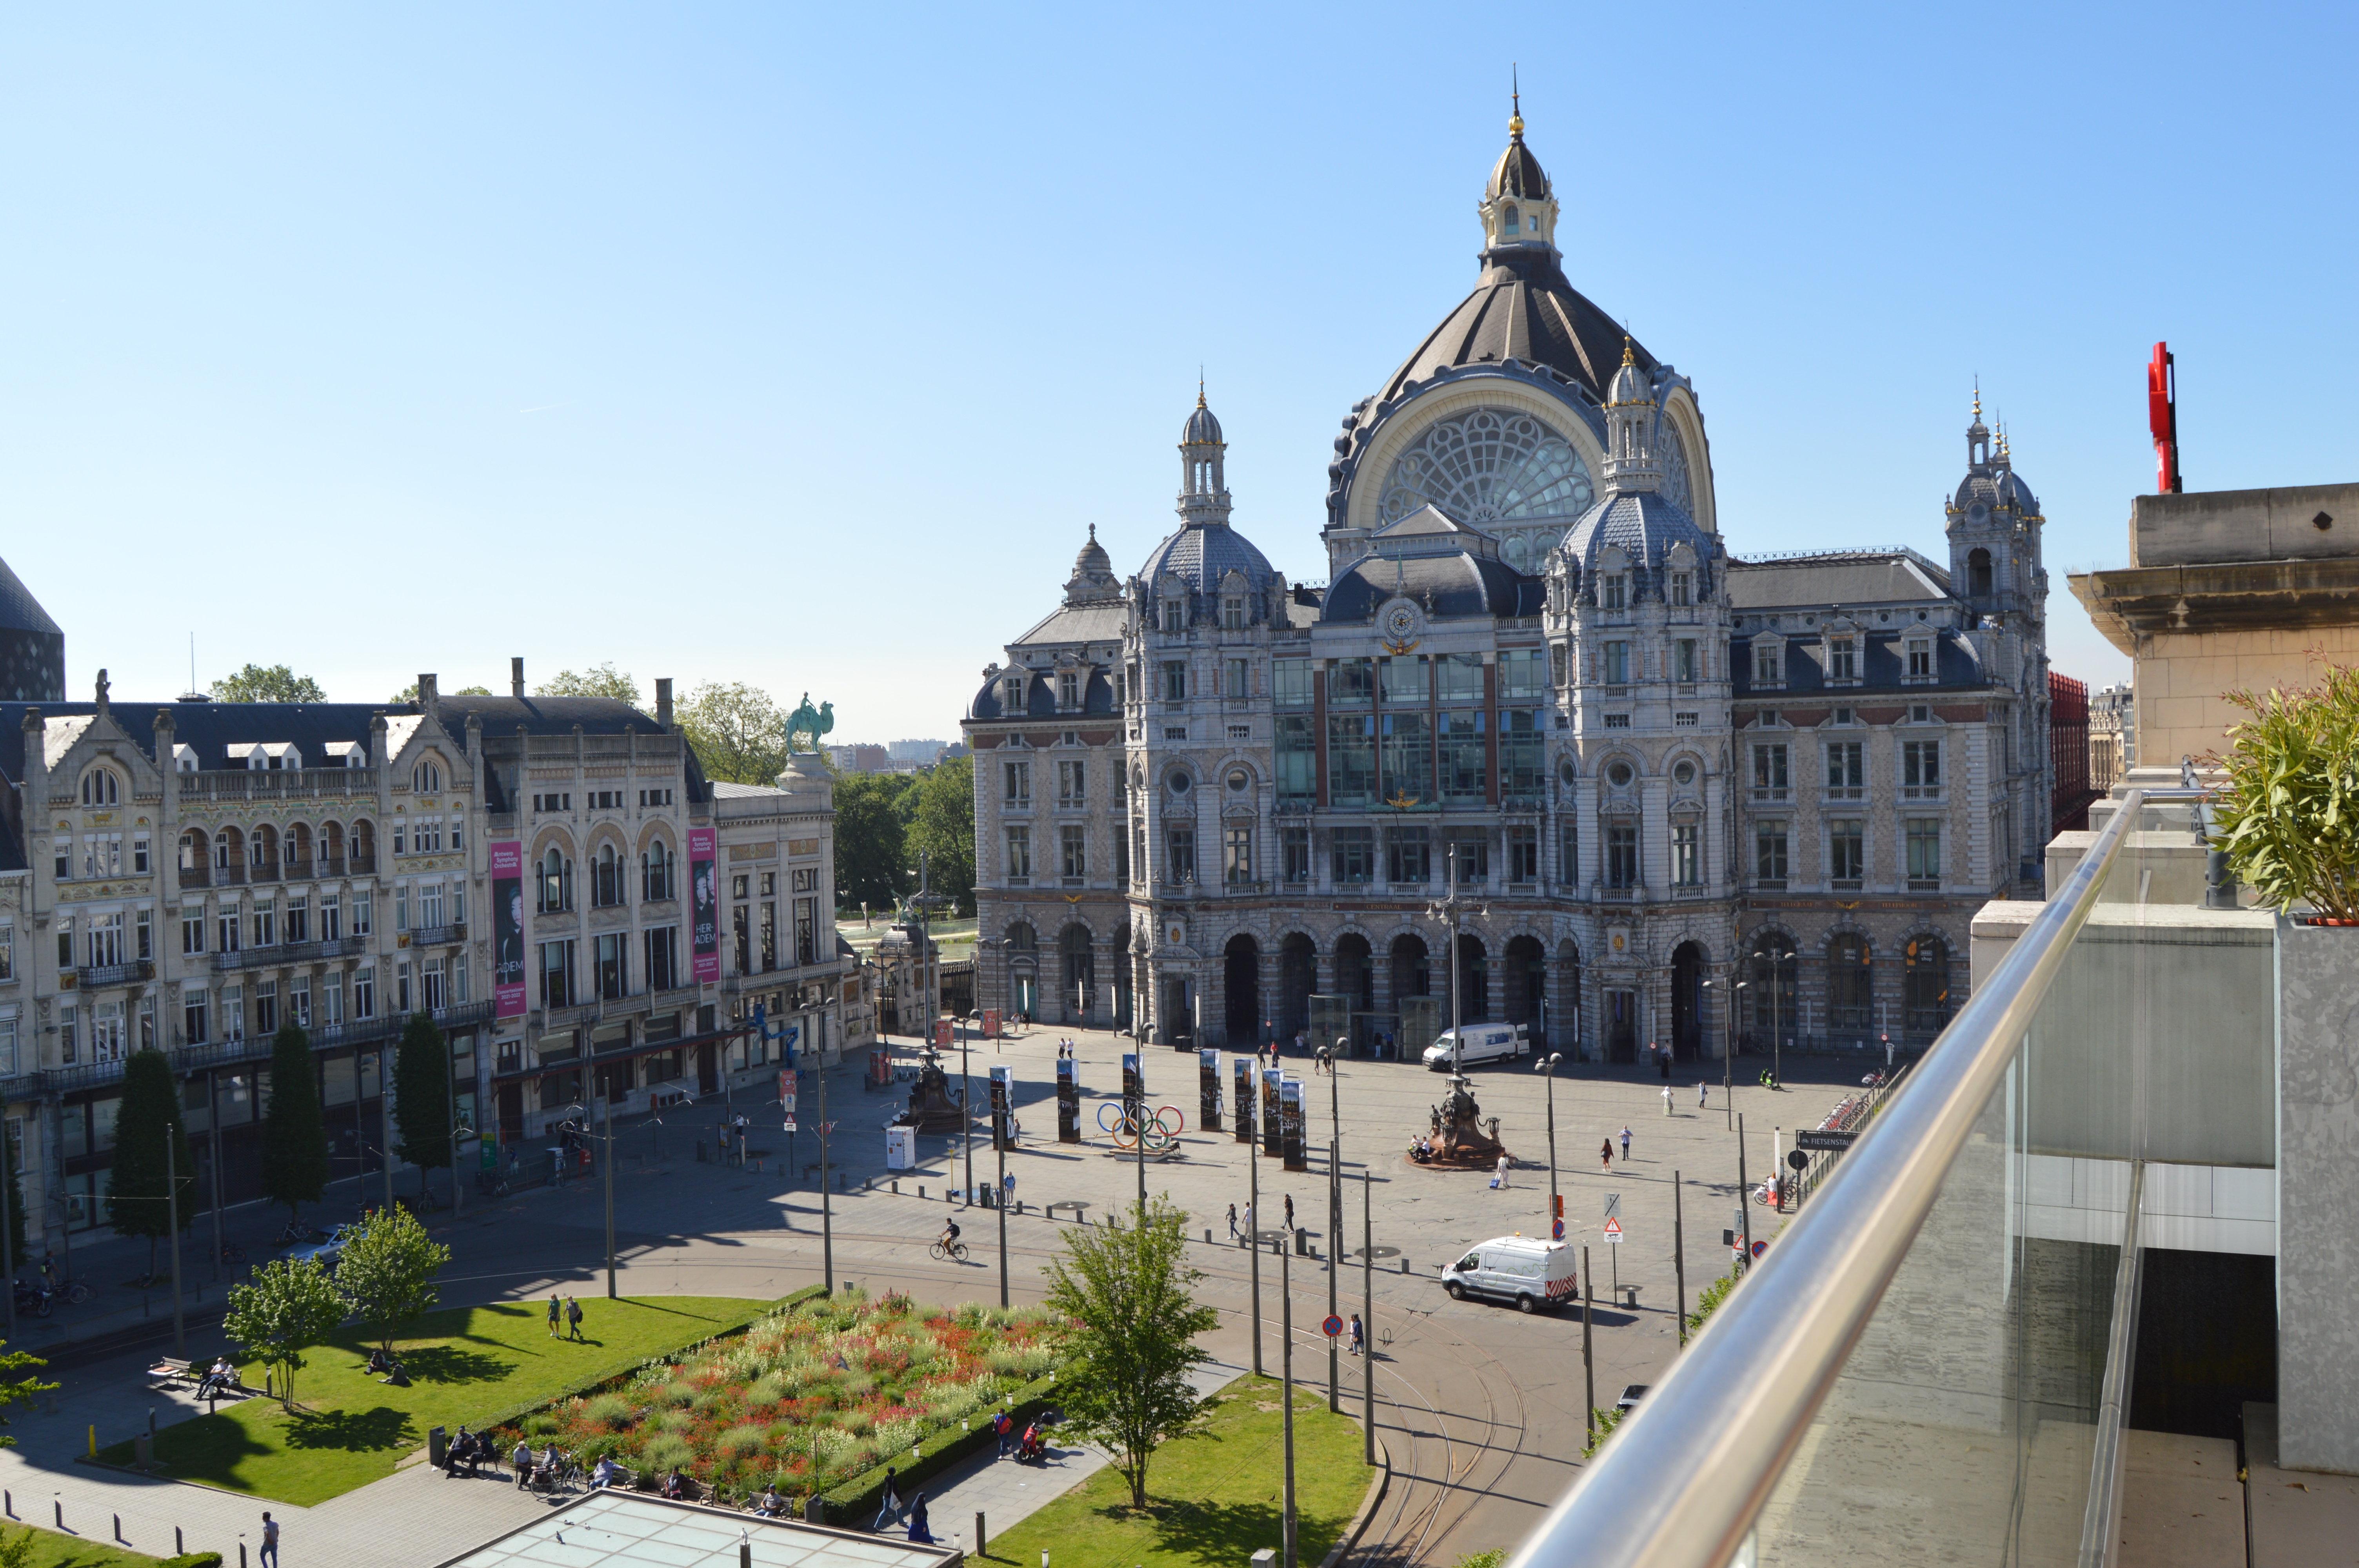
1333	1327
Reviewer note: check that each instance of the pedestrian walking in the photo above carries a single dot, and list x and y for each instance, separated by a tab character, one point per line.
1626	1145
1703	1092
889	1509
574	1305
269	1540
919	1532
1499	1177
1666	1099
1249	1224
1665	1063
1001	1426
1233	1222
1289	1211
1606	1152
1359	1335
552	1315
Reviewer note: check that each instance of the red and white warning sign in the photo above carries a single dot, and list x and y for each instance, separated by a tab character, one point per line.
1613	1232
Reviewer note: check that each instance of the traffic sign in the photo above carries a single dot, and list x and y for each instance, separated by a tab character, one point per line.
1613	1205
1759	1247
1558	1229
1332	1327
1796	1158
1831	1137
1613	1232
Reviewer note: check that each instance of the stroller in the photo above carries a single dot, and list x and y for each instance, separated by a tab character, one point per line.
1033	1447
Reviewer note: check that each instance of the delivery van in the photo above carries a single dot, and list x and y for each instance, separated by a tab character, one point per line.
1534	1275
1484	1043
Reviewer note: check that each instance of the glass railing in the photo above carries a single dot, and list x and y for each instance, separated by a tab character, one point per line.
1928	1364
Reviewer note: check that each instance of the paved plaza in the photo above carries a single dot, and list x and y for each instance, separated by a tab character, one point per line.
1480	1409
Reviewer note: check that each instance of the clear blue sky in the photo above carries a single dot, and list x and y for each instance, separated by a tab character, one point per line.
800	346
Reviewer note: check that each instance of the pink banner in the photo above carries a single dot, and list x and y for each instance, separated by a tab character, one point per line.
704	907
508	985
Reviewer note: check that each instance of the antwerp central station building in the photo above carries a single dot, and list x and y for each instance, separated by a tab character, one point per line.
1211	802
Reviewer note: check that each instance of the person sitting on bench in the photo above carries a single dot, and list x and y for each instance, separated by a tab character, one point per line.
217	1379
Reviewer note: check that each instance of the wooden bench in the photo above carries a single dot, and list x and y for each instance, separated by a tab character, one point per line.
170	1373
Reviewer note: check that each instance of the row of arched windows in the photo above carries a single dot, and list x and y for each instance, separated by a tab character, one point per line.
266	851
609	874
1774	982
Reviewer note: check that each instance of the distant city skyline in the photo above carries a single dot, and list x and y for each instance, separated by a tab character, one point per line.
801	347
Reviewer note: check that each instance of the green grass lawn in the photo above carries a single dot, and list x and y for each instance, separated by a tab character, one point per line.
52	1550
1215	1496
465	1364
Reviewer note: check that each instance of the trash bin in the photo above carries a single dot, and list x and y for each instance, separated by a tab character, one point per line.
438	1445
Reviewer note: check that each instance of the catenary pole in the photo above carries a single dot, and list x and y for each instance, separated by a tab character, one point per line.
608	1161
1253	1207
826	1212
171	1218
999	1195
1744	1200
1368	1316
1588	1357
1334	1274
1678	1260
1286	1391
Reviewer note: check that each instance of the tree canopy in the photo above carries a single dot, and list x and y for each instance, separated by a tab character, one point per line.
273	683
386	1272
147	1125
421	1108
598	680
872	859
1131	1322
294	1134
288	1307
942	829
738	732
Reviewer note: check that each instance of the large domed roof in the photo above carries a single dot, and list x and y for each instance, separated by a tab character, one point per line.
1523	308
1205	553
1645	523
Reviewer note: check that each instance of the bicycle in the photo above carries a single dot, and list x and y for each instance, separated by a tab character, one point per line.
231	1254
949	1251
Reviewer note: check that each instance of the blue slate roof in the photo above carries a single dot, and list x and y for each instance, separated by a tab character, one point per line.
1645	523
1204	553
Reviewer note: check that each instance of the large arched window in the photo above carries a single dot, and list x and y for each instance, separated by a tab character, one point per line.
606	877
426	778
1490	469
1849	997
556	883
659	873
100	787
1773	977
1978	574
1925	986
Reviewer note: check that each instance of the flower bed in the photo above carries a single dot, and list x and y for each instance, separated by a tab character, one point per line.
808	1396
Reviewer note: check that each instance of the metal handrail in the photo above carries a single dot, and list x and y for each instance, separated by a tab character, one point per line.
1684	1478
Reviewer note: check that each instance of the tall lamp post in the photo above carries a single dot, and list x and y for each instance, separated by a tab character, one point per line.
606	1159
1447	910
1728	1046
1546	1067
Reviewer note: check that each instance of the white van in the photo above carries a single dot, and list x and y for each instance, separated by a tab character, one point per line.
1532	1273
1484	1043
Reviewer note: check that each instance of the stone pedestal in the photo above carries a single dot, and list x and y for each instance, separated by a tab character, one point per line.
2318	1198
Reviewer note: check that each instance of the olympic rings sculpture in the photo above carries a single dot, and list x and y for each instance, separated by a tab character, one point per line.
1162	1129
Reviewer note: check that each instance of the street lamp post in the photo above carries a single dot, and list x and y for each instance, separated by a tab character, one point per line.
1546	1066
1335	1221
1447	910
1728	1046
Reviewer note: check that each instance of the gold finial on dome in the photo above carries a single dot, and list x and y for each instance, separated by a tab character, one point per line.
1516	93
1629	358
1978	400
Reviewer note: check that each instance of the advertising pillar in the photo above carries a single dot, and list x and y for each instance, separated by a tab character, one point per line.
507	928
1131	1093
1291	1117
1244	1068
1269	1114
1069	1100
1208	1088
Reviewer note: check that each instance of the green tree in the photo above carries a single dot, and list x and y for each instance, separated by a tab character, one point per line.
598	680
294	1134
386	1272
18	1387
1131	1321
421	1107
146	1126
738	733
942	829
290	1306
871	838
409	692
275	683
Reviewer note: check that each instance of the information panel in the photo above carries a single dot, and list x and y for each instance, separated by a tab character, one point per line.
1208	1088
1244	1068
1069	1100
1269	1117
1290	1123
1003	1104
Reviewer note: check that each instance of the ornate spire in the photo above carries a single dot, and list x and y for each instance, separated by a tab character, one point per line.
1516	95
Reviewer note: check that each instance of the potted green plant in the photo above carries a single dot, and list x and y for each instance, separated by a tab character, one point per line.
2289	813
2288	818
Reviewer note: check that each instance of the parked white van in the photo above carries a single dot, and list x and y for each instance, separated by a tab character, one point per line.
1532	1273
1484	1043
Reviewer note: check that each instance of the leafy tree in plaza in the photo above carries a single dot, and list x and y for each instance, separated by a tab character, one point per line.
1131	1322
409	692
147	1125
422	1112
739	733
288	1307
598	680
386	1272
18	1387
294	1134
275	683
872	838
943	828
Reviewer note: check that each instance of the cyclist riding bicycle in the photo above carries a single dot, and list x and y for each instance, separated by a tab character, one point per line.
950	1236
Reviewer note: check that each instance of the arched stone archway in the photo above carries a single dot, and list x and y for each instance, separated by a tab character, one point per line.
1356	972
1850	993
1297	977
1525	990
1241	979
1774	972
1687	1003
1410	965
1474	978
1925	1004
1077	973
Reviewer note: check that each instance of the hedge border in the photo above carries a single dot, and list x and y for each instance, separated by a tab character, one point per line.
860	1497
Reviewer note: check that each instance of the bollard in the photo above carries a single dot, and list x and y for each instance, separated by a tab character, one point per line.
240	1554
896	1186
180	1547
745	1551
8	1501
921	1189
93	1440
1208	1234
1403	1265
979	1551
118	1527
62	1514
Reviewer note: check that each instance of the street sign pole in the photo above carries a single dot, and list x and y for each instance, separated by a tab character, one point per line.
1588	1361
1743	1198
1679	1262
1367	1317
1335	1276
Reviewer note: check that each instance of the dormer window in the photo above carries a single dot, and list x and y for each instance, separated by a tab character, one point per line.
1068	691
1920	658
1232	613
426	778
1011	694
1769	665
1175	615
1842	658
1682	588
99	787
1613	591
